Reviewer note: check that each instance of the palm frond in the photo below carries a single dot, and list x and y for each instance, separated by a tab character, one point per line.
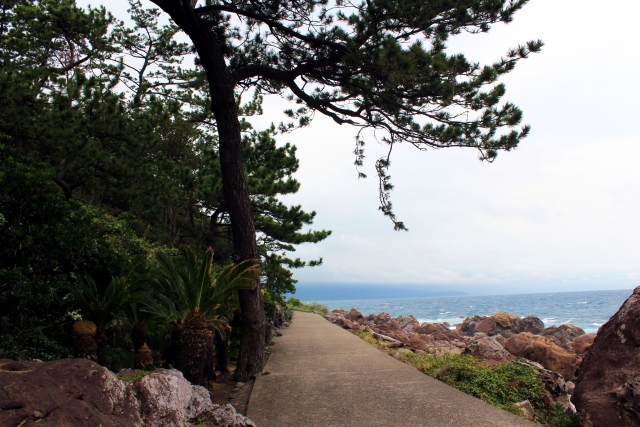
101	307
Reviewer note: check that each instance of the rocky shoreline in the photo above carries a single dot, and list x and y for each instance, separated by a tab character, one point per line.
556	352
596	376
499	338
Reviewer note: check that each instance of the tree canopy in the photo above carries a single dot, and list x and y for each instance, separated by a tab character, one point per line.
108	157
378	64
374	64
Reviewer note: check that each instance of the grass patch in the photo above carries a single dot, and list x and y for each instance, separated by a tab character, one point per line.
134	377
556	417
369	338
297	305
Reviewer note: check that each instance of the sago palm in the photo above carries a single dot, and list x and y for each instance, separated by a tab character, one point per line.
101	306
189	297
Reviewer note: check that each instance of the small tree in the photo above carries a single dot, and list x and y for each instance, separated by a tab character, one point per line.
378	64
101	306
189	298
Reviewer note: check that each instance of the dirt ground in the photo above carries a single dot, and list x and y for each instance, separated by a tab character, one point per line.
227	390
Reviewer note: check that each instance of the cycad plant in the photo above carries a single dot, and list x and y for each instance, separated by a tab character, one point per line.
189	297
101	306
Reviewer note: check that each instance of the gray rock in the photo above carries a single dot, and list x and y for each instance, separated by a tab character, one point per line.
226	416
168	400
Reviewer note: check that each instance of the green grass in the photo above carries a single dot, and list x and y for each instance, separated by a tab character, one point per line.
369	338
297	305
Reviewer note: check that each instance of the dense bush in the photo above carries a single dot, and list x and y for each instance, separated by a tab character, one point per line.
47	244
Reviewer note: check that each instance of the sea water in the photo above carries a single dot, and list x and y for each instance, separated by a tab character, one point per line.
588	309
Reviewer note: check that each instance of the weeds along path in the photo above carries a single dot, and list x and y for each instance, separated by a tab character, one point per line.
322	375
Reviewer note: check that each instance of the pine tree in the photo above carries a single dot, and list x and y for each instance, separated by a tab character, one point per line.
379	64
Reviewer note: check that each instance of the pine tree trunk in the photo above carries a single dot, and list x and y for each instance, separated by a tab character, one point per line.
236	193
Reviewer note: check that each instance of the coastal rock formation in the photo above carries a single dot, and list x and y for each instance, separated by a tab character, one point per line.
545	351
79	392
402	331
489	349
565	334
582	343
533	325
556	389
607	392
499	323
468	325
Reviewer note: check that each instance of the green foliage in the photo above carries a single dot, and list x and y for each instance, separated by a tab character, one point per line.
556	416
108	156
314	307
370	339
48	242
380	65
188	285
270	306
501	385
101	305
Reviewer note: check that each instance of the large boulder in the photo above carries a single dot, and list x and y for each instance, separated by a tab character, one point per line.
582	343
409	323
355	315
80	393
382	318
545	351
336	314
565	334
556	389
345	323
607	392
169	400
430	328
468	325
68	392
533	325
499	323
490	350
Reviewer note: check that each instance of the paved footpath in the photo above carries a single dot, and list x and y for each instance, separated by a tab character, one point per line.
322	375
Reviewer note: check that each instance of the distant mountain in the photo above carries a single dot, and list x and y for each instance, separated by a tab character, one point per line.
327	292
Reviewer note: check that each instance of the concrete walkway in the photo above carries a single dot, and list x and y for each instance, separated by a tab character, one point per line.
322	375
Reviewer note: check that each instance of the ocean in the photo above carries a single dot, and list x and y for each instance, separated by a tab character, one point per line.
589	309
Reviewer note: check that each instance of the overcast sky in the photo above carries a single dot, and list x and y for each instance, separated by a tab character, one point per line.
562	212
